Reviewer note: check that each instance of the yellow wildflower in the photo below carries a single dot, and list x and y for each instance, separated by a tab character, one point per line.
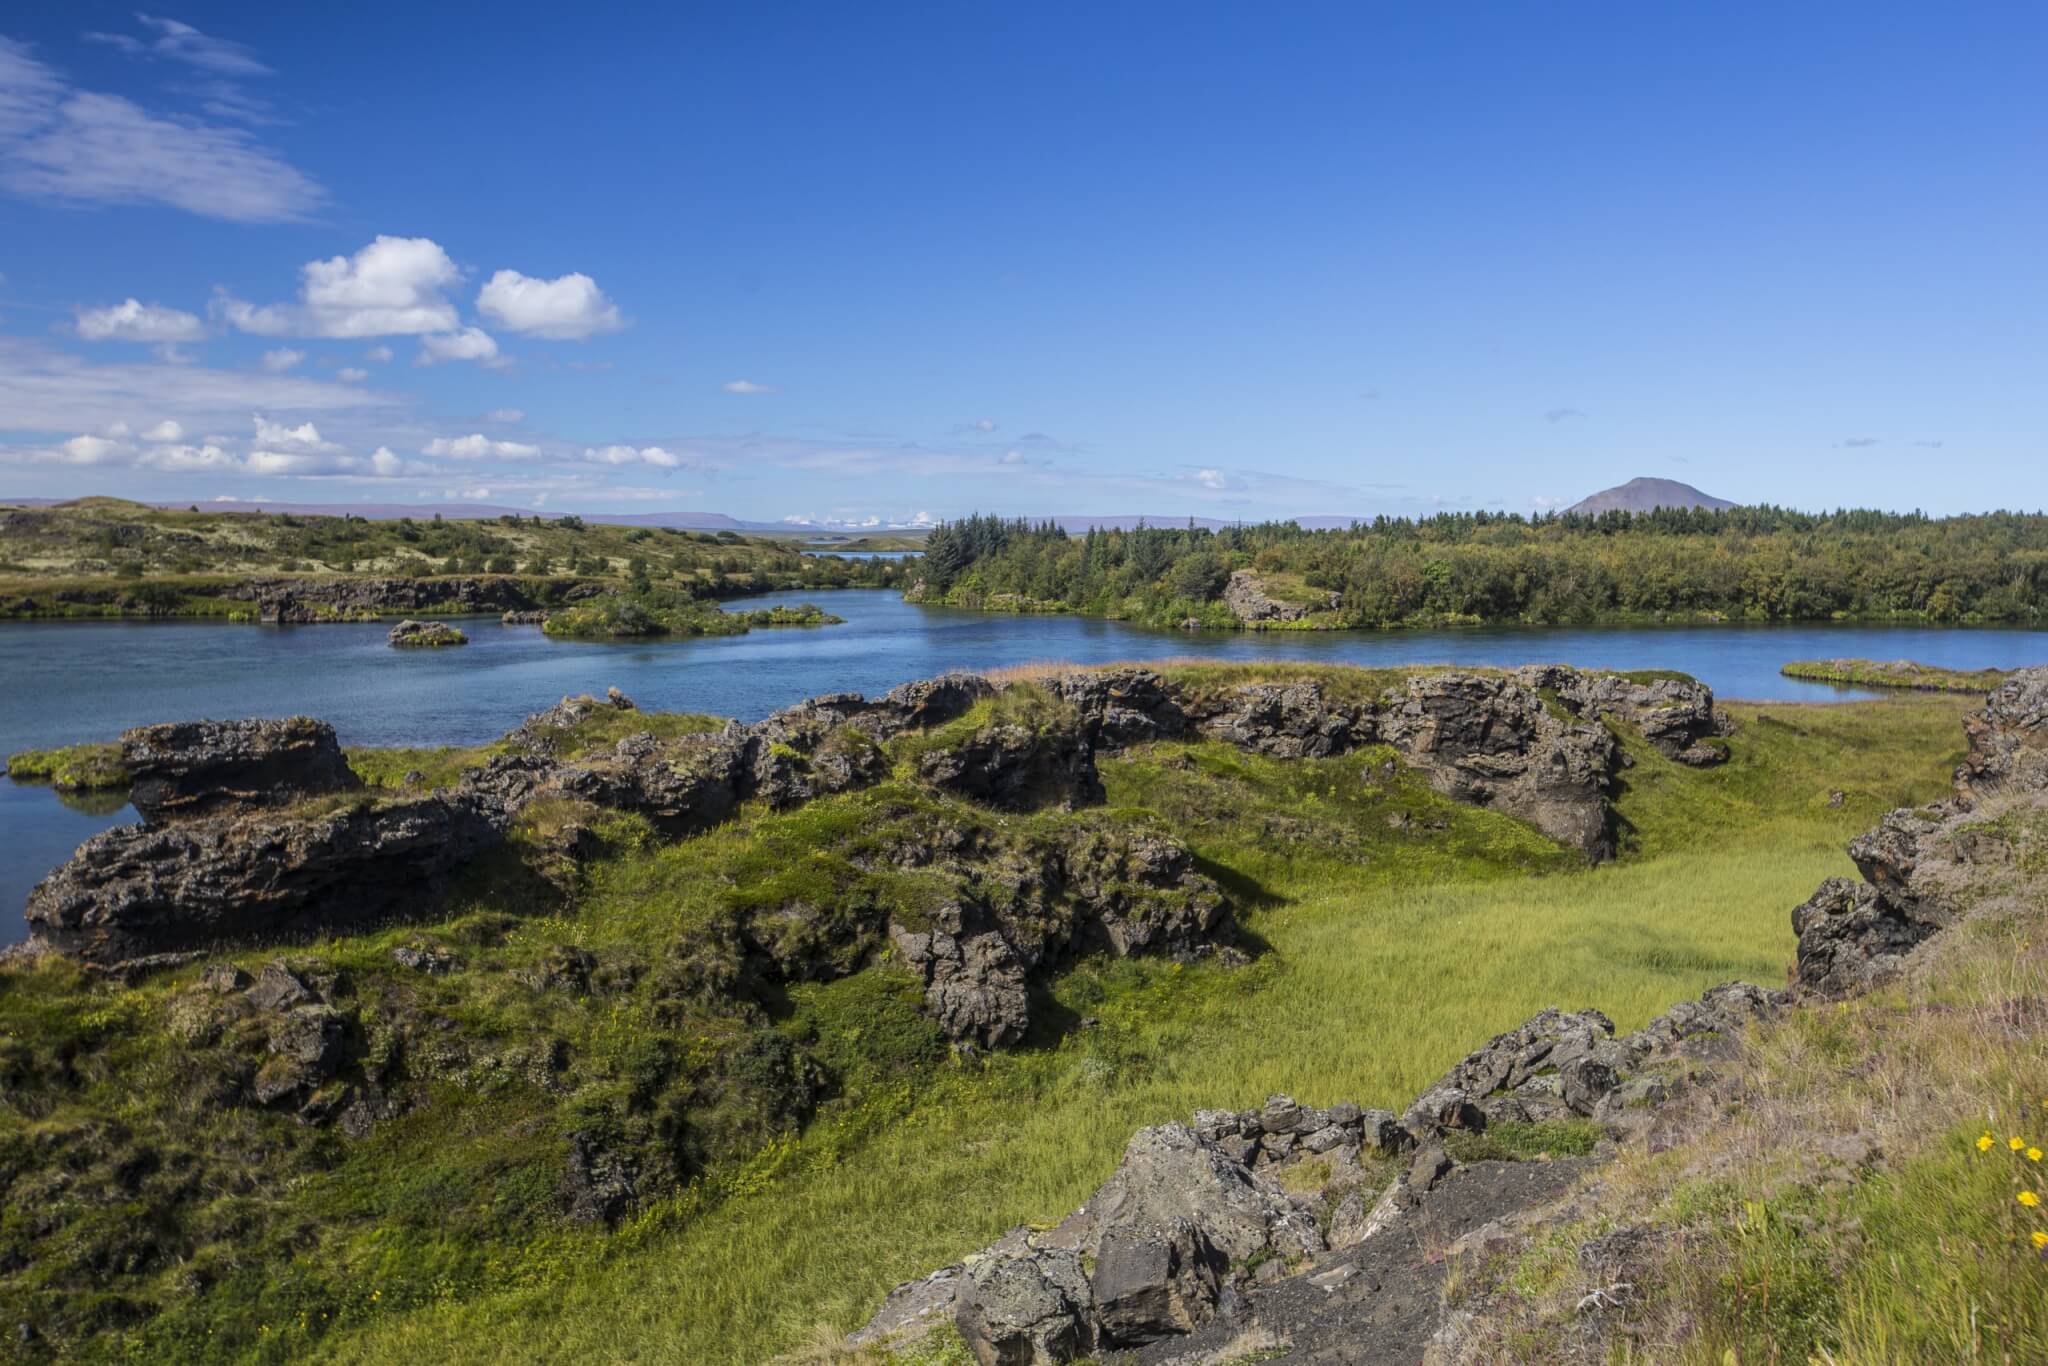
2029	1199
2015	1143
1984	1144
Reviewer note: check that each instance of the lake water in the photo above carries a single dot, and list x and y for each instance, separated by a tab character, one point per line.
65	682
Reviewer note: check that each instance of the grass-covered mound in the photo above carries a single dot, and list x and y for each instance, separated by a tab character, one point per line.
1895	673
803	1144
663	612
71	768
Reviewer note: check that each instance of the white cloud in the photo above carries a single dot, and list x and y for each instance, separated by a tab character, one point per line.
629	455
392	287
44	389
74	146
571	308
135	321
166	430
505	415
746	386
471	343
477	446
89	450
305	436
282	359
351	374
378	355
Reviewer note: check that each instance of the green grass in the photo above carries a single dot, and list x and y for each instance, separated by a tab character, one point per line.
1897	673
72	768
1390	953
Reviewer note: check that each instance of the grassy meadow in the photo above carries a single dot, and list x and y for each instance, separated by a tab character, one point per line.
1398	932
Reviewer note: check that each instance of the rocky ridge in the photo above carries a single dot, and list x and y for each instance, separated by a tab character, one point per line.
289	847
1201	1249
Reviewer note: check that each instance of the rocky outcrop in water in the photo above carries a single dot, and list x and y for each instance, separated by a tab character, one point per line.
194	768
257	876
417	635
1854	935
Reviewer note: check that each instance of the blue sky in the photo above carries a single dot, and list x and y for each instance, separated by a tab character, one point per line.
901	262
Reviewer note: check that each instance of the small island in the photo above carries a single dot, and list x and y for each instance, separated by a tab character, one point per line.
425	635
1894	673
665	612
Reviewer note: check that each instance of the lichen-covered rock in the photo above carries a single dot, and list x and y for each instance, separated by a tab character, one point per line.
185	769
1026	1308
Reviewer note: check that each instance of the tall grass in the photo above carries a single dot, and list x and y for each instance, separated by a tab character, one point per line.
1384	967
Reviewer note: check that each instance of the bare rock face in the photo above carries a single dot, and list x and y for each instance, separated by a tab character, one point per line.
193	768
1249	601
1492	741
2008	739
1292	721
139	890
1018	767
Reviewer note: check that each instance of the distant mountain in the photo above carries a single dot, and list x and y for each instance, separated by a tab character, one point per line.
1642	495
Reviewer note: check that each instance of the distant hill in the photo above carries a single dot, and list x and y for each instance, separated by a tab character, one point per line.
1642	495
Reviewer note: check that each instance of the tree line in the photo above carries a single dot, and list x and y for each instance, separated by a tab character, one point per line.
1751	563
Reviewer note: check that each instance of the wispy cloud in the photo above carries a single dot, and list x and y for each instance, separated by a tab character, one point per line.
80	147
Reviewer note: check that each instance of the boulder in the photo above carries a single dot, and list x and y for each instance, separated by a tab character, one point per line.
192	768
1151	1284
138	890
1026	1308
1853	936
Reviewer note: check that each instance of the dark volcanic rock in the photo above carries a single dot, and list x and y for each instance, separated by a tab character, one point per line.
1018	767
191	768
1293	721
1493	742
138	890
1853	935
